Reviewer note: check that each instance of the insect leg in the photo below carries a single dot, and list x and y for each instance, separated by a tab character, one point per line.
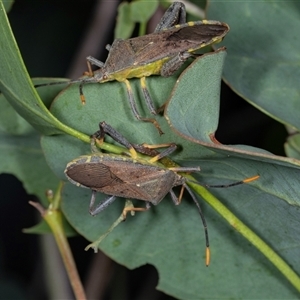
96	243
128	209
149	150
172	65
176	200
166	152
135	111
92	61
175	14
133	148
149	101
101	206
107	129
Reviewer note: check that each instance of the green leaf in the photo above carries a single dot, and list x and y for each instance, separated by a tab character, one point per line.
22	156
125	24
263	56
8	5
292	146
16	85
193	111
131	13
197	107
171	238
141	11
11	122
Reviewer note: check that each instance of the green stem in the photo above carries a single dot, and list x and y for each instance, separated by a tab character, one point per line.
53	217
54	220
142	29
250	235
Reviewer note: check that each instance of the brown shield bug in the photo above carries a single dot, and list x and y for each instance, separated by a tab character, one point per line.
160	53
132	177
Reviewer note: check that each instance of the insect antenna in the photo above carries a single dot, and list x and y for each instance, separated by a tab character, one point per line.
57	83
246	180
81	81
207	252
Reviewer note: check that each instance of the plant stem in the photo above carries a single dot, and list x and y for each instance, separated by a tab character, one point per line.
53	217
142	29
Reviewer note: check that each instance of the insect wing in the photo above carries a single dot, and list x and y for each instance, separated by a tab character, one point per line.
140	181
121	176
84	172
161	45
119	50
170	42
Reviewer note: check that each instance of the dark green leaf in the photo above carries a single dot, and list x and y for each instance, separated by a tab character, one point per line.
169	237
11	122
263	54
194	110
22	156
292	146
125	24
16	86
141	11
8	4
